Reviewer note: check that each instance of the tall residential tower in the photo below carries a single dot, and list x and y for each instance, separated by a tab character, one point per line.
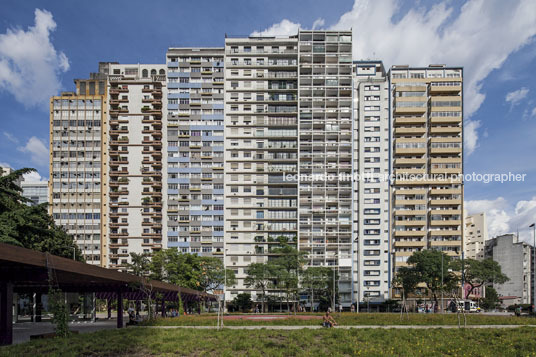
195	150
427	160
371	153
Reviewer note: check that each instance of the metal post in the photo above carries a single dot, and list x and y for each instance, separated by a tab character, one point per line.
442	286
533	250
224	281
333	302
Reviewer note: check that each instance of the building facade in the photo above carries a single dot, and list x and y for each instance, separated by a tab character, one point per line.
427	160
325	153
371	153
195	150
225	151
261	145
36	192
77	164
515	260
475	236
135	166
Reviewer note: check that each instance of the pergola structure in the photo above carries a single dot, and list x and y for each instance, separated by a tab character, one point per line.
26	271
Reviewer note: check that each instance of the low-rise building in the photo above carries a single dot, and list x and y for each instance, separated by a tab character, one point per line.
514	257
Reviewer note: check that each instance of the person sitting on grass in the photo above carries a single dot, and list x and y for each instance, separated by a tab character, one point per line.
328	320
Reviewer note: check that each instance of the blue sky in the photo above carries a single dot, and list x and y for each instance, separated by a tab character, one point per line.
493	40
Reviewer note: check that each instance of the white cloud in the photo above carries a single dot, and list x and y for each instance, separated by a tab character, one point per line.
33	177
503	217
515	97
284	28
11	137
479	38
37	149
318	23
470	135
29	63
5	164
533	113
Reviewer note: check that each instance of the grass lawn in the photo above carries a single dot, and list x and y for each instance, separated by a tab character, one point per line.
323	342
351	319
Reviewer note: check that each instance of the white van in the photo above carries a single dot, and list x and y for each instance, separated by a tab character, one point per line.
468	306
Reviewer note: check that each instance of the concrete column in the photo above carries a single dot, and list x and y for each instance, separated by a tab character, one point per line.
109	308
94	309
34	306
38	307
6	313
119	310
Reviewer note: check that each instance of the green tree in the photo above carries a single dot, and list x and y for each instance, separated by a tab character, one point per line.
31	226
406	279
427	265
139	265
491	301
213	274
318	282
287	267
480	272
189	270
242	302
171	266
260	277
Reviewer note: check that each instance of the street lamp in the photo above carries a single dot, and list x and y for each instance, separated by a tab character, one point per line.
533	226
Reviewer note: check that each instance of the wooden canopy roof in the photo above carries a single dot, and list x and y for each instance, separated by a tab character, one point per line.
29	270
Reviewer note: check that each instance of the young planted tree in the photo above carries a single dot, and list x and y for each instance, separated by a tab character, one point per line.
260	277
480	272
406	279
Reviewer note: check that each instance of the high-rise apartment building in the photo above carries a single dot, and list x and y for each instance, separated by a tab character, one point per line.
427	160
224	151
371	153
270	82
195	150
475	235
325	153
35	191
135	165
77	163
261	145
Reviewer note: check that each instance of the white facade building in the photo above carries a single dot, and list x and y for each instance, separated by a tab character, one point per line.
371	152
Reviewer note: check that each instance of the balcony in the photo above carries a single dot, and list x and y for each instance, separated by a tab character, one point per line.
437	88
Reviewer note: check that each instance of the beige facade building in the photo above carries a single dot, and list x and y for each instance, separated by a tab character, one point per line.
475	236
427	159
78	121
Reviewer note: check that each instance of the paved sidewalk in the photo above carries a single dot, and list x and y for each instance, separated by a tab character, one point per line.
23	330
315	327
